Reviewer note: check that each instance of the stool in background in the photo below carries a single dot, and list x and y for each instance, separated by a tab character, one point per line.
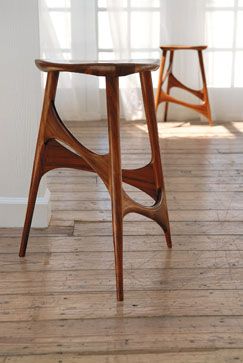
51	152
162	96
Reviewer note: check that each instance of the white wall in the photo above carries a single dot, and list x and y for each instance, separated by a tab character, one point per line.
20	106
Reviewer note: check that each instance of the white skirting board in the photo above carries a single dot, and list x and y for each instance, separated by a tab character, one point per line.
12	212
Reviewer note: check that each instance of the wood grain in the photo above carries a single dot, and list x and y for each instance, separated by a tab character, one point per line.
101	68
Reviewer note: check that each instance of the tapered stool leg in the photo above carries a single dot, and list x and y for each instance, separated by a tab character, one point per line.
37	172
160	82
115	187
35	181
169	84
147	89
205	88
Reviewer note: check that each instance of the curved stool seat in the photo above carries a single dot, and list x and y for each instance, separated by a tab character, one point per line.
101	68
58	148
172	82
183	47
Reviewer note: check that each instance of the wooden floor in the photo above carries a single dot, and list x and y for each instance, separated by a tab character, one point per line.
182	306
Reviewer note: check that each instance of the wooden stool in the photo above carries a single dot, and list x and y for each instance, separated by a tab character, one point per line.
51	153
162	96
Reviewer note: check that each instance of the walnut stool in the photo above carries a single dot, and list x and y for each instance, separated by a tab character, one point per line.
51	152
163	96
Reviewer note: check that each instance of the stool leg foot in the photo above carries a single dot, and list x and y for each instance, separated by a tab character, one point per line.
167	224
35	181
118	248
115	187
166	110
168	239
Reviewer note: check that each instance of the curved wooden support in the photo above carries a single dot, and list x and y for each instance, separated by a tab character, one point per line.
155	212
173	82
142	179
57	130
199	108
57	156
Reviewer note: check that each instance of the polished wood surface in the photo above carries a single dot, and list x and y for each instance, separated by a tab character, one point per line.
182	305
172	82
183	47
100	68
52	154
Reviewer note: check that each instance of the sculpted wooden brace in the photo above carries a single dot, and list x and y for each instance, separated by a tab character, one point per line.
162	96
51	154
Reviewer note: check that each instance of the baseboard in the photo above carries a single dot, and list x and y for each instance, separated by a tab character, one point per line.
12	212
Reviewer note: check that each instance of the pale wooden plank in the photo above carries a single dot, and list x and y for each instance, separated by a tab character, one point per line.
79	177
176	200
180	159
65	218
50	231
131	243
63	281
220	355
141	131
74	184
151	229
167	334
132	260
61	222
177	140
74	202
137	304
173	172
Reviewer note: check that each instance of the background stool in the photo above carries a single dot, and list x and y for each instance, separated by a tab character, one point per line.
51	152
162	96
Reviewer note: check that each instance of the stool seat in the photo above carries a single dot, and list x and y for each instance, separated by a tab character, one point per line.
183	47
99	68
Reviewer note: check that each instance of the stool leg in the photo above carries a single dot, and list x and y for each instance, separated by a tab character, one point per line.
160	83
169	85
37	171
147	90
112	93
35	181
205	88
